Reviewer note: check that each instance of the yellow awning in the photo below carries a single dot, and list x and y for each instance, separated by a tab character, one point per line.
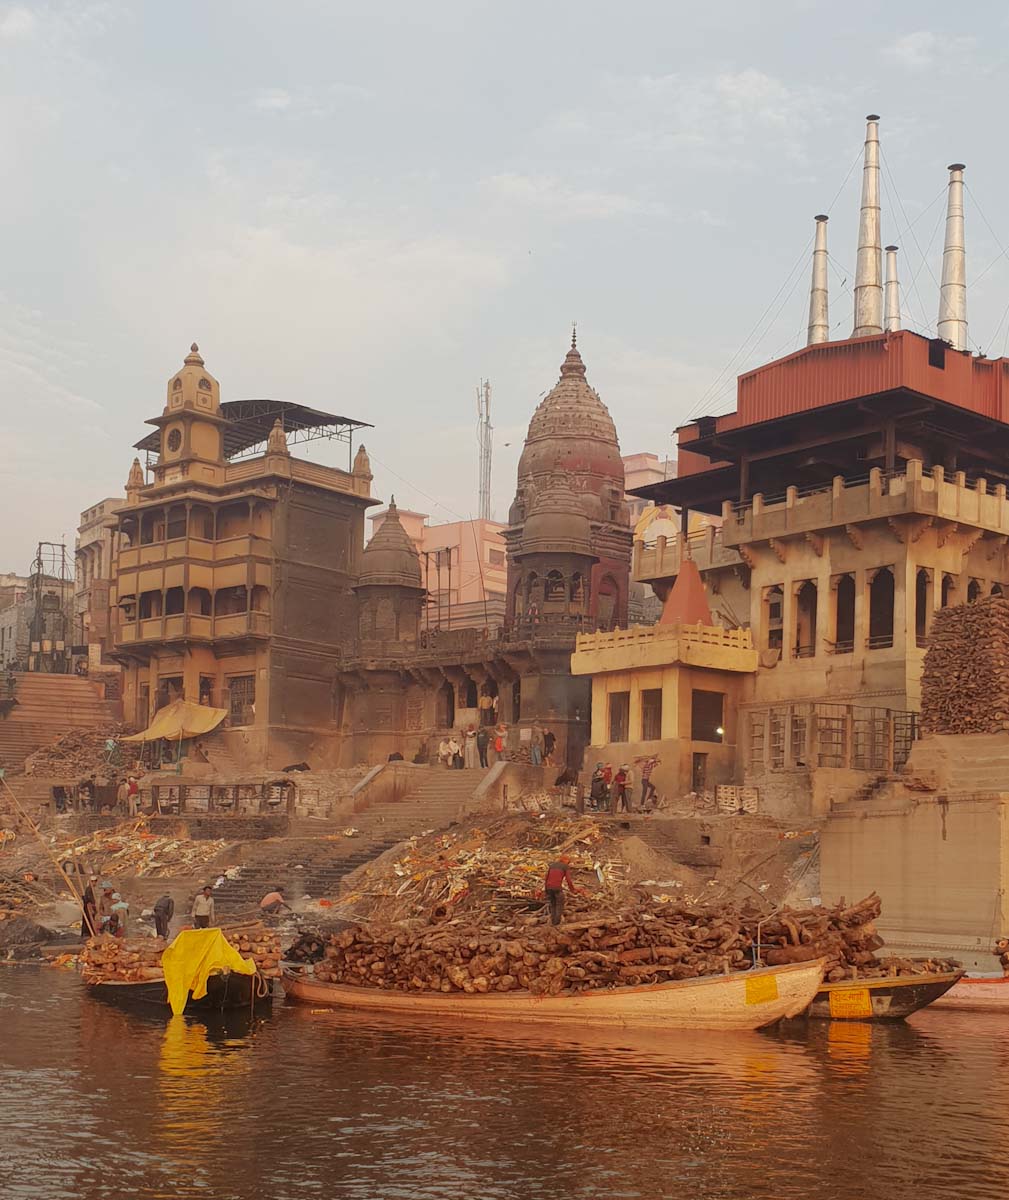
180	719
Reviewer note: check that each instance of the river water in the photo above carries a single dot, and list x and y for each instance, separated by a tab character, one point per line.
98	1104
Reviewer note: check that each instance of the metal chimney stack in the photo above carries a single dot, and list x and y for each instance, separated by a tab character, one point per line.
952	326
869	264
891	320
819	324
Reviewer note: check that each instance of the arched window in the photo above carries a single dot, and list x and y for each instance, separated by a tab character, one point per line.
555	591
175	601
805	620
881	609
231	600
844	615
446	705
996	590
948	587
973	591
198	604
577	590
921	606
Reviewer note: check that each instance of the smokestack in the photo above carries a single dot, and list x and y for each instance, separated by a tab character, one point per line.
891	320
869	264
819	324
952	325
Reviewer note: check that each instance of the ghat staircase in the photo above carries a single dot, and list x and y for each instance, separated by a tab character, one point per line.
315	859
47	707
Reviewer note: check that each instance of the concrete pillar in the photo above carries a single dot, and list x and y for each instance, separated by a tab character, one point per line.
903	606
825	601
670	703
787	619
634	709
861	631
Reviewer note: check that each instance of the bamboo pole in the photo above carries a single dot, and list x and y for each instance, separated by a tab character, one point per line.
23	812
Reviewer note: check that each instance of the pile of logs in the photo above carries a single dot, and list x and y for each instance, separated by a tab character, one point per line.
646	942
106	959
965	683
128	960
260	944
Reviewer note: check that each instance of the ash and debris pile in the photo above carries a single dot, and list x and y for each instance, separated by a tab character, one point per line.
80	753
965	682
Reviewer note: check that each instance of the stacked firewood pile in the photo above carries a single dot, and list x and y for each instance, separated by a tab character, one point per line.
645	942
106	959
260	944
965	683
126	960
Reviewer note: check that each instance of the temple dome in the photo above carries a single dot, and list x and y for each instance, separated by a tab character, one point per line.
557	523
571	429
390	559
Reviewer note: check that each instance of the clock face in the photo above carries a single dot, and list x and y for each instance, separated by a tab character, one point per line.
174	439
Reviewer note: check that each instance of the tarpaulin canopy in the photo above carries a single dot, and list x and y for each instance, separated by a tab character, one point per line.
192	957
180	719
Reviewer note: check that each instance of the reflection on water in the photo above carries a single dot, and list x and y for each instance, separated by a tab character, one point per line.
98	1104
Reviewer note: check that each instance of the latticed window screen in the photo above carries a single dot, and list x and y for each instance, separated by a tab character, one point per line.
242	698
757	727
776	738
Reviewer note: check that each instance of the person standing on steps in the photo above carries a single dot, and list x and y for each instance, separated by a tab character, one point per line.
482	744
203	909
469	747
164	910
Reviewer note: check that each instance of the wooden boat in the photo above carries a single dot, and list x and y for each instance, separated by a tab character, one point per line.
978	993
889	999
741	1000
226	990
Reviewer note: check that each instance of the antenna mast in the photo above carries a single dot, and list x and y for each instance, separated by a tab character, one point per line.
485	440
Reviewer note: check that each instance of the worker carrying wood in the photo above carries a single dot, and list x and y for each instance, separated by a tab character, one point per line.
559	874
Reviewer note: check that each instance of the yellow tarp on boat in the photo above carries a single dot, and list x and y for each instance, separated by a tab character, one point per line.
180	719
192	957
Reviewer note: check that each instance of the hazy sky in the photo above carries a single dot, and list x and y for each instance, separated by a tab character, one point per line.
367	207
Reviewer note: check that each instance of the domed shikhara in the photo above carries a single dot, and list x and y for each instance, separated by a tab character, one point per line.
571	430
390	559
569	538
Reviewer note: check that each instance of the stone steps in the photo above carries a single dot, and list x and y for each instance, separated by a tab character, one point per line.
47	707
315	866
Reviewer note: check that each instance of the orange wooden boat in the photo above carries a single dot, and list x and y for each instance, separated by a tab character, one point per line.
741	1000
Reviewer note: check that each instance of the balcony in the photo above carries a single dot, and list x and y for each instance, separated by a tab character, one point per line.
201	549
193	627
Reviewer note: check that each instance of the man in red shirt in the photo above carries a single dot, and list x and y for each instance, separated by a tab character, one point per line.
559	874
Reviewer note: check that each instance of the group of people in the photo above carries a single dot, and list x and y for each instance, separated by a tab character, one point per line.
105	910
474	747
88	801
613	791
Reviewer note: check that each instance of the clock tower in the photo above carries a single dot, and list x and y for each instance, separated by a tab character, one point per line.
191	425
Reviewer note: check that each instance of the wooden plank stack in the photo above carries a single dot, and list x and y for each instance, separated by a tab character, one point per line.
965	683
644	942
